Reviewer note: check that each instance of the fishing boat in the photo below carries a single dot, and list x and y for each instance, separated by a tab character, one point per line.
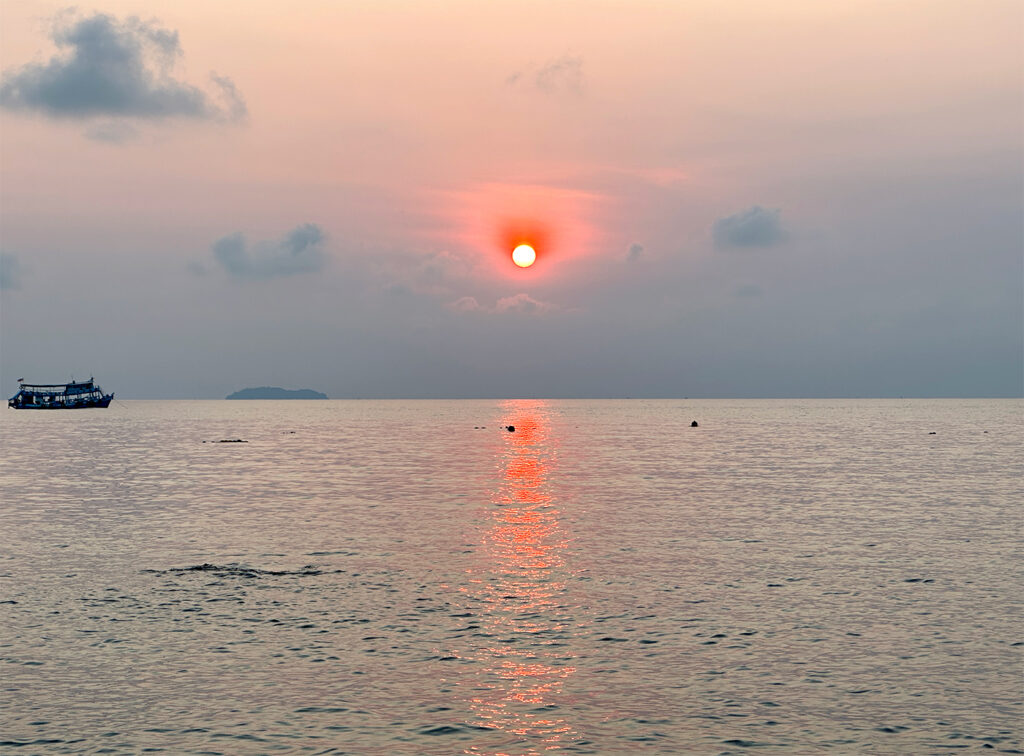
74	395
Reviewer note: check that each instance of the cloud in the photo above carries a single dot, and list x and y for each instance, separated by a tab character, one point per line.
116	68
300	251
465	304
523	303
234	103
518	303
440	274
635	250
439	268
753	227
10	272
561	76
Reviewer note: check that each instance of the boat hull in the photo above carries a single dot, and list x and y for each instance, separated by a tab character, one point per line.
91	404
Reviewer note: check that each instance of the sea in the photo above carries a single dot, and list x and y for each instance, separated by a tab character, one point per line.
513	577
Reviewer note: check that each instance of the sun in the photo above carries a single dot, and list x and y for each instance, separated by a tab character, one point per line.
524	255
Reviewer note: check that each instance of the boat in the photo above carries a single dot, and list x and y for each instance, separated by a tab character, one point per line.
74	395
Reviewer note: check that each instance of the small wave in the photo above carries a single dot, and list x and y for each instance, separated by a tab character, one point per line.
442	730
41	741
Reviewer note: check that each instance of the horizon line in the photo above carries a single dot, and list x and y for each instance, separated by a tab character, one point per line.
568	398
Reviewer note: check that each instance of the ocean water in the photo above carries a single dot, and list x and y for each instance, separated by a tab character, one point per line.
791	577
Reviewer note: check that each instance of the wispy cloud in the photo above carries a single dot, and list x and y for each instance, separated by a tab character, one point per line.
436	271
754	227
300	251
113	68
465	304
521	303
560	76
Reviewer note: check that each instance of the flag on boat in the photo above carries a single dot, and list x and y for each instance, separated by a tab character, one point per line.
21	380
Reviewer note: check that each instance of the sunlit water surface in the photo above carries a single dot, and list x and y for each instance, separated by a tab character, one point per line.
791	577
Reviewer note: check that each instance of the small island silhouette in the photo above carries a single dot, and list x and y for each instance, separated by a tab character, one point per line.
273	392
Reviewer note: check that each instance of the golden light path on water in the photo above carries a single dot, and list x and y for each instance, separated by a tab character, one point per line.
519	687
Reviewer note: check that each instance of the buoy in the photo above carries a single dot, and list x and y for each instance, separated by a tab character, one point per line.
511	428
694	424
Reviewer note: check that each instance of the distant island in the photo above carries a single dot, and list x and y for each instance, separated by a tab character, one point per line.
273	392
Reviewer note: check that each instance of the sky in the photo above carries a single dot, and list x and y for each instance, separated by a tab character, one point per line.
802	198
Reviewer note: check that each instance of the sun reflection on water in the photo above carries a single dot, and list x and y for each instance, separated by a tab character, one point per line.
526	630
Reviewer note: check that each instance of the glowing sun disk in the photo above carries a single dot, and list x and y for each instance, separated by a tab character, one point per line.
524	255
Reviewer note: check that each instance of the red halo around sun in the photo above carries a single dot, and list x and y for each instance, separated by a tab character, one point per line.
518	233
559	223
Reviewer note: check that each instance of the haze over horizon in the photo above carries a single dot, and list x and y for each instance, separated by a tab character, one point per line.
727	199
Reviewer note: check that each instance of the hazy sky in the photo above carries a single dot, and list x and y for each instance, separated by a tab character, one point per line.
788	198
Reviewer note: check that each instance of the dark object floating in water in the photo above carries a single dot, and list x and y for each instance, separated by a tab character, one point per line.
273	392
74	395
510	428
931	433
239	570
228	441
694	424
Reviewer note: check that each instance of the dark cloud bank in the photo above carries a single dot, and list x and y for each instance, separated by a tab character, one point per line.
116	68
